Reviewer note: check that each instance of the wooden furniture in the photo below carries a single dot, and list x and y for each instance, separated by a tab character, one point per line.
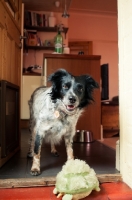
43	29
10	31
9	120
85	46
10	70
110	119
77	65
30	83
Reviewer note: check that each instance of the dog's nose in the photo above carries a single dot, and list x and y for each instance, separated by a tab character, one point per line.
72	99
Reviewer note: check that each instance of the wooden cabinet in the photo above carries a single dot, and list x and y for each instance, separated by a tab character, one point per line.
10	77
110	119
10	52
29	84
78	65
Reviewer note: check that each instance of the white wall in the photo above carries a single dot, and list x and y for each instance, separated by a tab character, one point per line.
102	30
125	88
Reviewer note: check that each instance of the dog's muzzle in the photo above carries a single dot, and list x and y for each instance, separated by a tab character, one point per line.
71	106
72	99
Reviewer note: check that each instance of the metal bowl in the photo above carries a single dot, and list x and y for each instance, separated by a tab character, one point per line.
83	136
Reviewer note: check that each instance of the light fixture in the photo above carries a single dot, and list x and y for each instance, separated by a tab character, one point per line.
65	14
57	4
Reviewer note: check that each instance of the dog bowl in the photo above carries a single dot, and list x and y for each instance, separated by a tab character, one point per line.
88	136
83	136
77	136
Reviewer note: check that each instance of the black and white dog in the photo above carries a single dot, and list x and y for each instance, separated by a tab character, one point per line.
54	112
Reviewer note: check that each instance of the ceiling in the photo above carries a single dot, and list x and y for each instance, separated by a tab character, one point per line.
87	6
46	5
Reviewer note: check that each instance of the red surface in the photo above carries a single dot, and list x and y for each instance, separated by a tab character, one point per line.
109	191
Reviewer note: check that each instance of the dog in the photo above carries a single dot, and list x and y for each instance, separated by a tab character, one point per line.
54	112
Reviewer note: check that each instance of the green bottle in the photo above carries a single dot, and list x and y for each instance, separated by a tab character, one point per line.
59	43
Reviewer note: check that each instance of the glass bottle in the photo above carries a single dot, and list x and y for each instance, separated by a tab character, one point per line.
59	42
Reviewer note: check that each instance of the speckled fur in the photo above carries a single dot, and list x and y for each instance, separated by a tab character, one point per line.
66	90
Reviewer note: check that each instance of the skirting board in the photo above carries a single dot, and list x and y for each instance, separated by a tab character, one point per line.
50	181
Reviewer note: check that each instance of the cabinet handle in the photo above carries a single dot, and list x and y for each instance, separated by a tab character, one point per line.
22	37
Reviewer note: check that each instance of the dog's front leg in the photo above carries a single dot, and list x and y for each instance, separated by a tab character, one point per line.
35	169
53	149
32	142
69	148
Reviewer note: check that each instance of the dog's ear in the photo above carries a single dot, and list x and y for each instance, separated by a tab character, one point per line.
90	85
56	77
56	80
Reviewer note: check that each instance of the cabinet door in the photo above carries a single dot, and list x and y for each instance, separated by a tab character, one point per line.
10	52
91	118
29	84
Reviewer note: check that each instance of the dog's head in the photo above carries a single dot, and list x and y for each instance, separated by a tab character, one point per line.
73	91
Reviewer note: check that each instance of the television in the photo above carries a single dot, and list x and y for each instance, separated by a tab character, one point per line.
105	82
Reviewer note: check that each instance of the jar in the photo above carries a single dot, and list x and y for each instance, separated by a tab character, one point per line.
52	20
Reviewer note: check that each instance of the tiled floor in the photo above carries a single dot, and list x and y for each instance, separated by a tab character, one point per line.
109	191
99	157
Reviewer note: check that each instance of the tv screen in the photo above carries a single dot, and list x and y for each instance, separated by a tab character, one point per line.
105	82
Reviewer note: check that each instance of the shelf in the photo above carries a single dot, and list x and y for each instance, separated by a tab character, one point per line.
45	29
39	47
31	74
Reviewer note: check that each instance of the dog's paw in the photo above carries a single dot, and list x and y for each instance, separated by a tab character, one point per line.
56	154
35	172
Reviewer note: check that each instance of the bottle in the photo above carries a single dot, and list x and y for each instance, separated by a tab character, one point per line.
59	43
52	20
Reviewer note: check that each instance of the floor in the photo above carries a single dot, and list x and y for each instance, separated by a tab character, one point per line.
99	156
110	142
109	191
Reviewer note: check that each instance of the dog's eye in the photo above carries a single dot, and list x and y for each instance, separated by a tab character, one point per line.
80	89
65	87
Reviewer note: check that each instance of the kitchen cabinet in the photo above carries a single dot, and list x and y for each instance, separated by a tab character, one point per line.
78	65
29	84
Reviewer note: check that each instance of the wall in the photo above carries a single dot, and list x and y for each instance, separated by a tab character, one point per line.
125	88
33	57
102	30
